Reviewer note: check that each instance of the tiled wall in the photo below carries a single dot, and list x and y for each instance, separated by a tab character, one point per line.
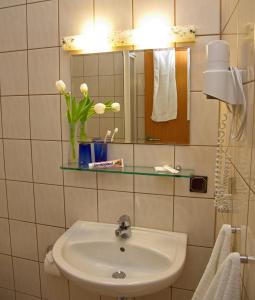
237	28
38	201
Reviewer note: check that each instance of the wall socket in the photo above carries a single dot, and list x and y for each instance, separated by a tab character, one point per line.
198	184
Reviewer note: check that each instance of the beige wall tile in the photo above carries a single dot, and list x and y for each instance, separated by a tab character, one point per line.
45	117
2	167
77	66
154	211
203	129
80	204
154	185
3	200
196	217
7	294
118	63
232	24
13	73
119	85
80	179
196	261
65	66
199	60
153	155
18	160
124	151
252	182
53	287
20	296
162	295
47	236
13	28
243	148
106	65
42	21
246	59
49	205
6	274
202	160
106	124
1	129
148	8
112	298
209	15
178	294
21	200
227	8
111	205
47	159
90	64
43	70
116	182
106	86
77	293
26	275
24	240
5	246
15	117
74	16
6	3
118	13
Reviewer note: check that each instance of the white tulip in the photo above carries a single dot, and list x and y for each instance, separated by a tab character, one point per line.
84	88
61	87
99	108
115	107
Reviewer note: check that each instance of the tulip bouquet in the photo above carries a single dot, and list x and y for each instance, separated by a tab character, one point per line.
81	110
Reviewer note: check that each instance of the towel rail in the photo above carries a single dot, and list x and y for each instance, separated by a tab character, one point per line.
246	259
243	258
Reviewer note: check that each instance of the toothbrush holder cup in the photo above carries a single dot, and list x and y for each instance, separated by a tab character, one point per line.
84	154
100	151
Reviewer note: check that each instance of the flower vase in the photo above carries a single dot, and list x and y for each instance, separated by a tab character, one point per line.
72	151
83	134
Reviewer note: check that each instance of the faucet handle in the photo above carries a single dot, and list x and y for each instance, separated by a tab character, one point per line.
124	221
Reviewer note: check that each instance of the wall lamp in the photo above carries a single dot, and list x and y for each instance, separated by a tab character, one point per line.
140	38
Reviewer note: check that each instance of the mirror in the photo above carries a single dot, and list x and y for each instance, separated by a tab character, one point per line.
152	87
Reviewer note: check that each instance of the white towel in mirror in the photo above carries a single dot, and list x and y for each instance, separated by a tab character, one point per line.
165	91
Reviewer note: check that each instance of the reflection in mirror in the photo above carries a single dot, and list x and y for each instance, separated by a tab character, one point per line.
152	87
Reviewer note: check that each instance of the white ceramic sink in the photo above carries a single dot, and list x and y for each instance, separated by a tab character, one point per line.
89	253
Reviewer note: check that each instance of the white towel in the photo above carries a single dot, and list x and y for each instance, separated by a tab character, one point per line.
221	250
165	92
226	283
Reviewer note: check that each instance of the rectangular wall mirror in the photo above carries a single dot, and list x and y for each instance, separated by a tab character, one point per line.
152	87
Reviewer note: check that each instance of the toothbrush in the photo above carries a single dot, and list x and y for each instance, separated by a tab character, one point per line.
108	133
114	132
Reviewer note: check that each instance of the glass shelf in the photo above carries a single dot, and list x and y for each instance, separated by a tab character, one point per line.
133	170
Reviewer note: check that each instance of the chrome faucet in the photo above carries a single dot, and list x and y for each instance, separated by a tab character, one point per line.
124	229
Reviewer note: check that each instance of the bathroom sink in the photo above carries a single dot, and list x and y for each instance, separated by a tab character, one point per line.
90	255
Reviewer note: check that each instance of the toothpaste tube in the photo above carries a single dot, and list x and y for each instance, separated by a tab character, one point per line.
117	163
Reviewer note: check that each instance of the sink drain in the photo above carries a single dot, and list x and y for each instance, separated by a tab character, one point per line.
119	275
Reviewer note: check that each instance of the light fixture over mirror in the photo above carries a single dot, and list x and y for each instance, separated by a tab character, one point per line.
152	33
